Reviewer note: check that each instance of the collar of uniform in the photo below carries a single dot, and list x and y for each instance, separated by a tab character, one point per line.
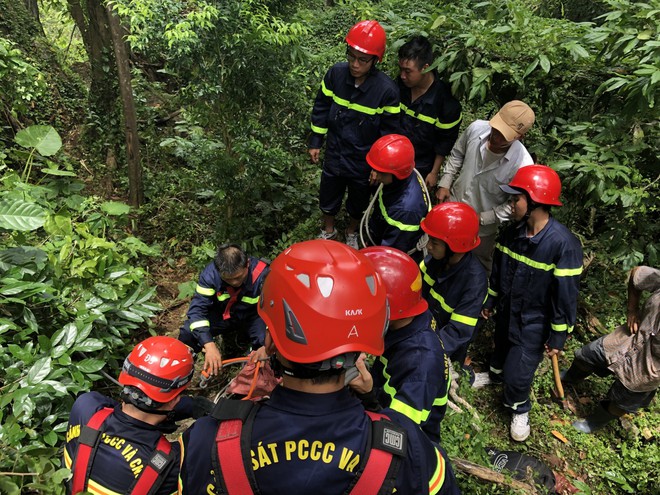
406	93
419	323
521	231
124	418
364	87
397	186
436	266
306	404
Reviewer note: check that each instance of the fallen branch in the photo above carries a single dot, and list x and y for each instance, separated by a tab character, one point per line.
491	476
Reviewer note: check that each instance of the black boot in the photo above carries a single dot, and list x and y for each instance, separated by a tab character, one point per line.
576	373
597	420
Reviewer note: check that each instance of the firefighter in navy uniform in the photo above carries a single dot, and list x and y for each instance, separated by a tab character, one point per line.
114	448
430	115
323	304
356	104
412	375
225	303
533	289
455	282
401	204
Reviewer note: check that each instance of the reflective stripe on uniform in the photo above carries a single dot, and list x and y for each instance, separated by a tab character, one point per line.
426	276
199	324
546	267
430	120
391	221
223	297
465	320
515	405
491	292
319	130
250	300
354	106
438	477
563	327
418	416
205	291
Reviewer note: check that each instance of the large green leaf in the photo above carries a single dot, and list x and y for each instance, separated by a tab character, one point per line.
39	370
21	215
90	365
42	137
115	208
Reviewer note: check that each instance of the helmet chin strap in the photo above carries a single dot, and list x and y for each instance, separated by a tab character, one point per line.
332	366
146	404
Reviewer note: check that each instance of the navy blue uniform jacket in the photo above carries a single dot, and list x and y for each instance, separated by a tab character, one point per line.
210	301
313	443
352	119
399	209
125	448
431	122
534	284
455	297
412	375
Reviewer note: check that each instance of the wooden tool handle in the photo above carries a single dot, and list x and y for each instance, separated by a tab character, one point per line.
555	372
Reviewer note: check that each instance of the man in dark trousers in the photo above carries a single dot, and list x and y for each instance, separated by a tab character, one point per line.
112	447
324	304
533	289
430	115
356	105
631	353
225	303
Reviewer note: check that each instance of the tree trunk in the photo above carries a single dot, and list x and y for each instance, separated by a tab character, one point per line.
135	186
33	8
102	132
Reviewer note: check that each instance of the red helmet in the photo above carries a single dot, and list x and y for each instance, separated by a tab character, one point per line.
322	299
539	181
392	154
161	367
402	279
457	224
368	37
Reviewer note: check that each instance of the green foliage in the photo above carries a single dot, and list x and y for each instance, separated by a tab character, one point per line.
71	301
20	82
630	47
593	88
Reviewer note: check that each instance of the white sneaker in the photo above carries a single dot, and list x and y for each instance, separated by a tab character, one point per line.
328	236
520	427
352	240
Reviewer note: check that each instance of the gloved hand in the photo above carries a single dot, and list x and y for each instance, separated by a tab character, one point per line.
191	407
201	406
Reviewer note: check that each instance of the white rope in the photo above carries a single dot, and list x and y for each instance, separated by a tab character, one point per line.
364	221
